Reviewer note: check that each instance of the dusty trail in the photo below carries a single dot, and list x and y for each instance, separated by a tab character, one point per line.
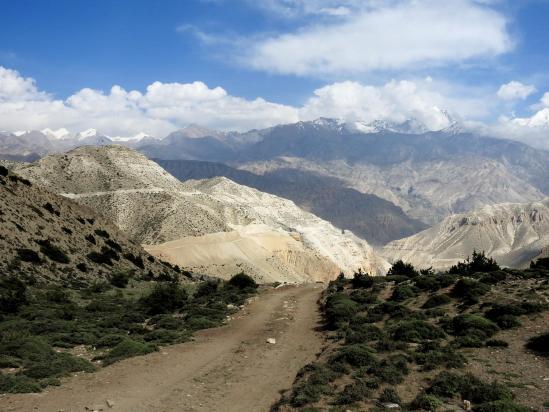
231	368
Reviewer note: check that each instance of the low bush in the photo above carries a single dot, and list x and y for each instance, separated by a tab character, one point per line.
400	268
478	262
120	279
135	259
106	256
52	252
402	293
339	308
426	402
471	325
58	365
362	281
165	298
391	370
18	384
125	349
242	281
307	393
356	355
389	395
13	295
28	255
432	356
363	333
469	290
103	233
436	300
353	392
539	344
415	331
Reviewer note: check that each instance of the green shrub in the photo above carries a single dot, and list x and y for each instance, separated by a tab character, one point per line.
165	298
339	308
391	370
363	333
493	278
389	395
135	259
436	300
52	252
120	279
448	385
415	331
356	355
353	392
403	292
126	349
242	281
539	344
103	233
113	245
469	290
201	322
431	356
478	262
207	288
28	255
426	403
13	295
473	341
364	297
105	257
362	281
59	365
110	340
472	325
307	393
18	384
400	268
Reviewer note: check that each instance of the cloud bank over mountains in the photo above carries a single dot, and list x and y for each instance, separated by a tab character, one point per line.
164	107
361	37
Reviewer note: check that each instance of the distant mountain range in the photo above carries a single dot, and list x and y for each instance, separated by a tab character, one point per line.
342	171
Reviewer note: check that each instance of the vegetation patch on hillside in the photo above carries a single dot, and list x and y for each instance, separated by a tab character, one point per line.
48	331
419	340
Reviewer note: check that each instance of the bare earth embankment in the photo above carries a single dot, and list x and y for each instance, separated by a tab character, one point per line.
231	368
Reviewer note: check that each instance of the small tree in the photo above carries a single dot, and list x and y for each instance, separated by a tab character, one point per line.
400	268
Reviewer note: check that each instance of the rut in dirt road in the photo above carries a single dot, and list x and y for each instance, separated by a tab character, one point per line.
231	368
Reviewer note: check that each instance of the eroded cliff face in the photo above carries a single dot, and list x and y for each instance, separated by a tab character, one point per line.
511	233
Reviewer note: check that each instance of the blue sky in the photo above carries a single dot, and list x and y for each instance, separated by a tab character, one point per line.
258	63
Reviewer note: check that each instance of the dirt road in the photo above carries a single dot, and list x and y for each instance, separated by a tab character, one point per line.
231	368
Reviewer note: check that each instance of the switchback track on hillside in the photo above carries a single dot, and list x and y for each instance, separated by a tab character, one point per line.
231	368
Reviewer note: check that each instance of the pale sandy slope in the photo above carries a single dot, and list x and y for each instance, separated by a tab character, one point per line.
214	226
231	368
512	233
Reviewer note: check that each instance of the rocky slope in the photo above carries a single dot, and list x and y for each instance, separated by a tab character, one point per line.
48	237
427	190
268	236
368	216
511	233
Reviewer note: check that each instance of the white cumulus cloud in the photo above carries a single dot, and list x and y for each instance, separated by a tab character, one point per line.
392	35
515	90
